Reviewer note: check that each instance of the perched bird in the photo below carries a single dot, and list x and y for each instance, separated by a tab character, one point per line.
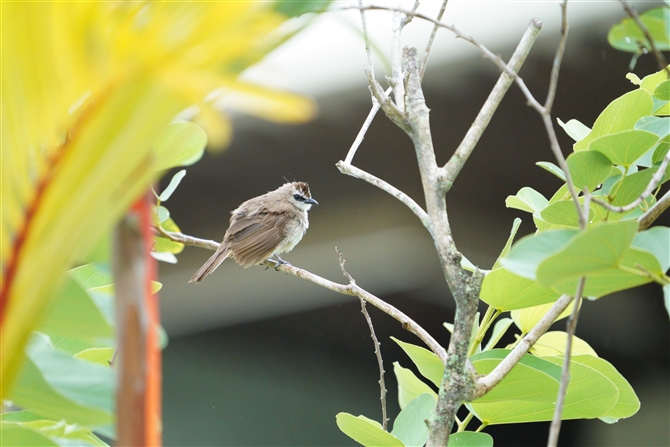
262	227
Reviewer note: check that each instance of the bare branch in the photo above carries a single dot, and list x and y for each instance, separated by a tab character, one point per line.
556	68
481	122
652	214
366	37
364	128
660	59
653	183
391	110
351	289
431	39
565	377
397	78
381	184
488	382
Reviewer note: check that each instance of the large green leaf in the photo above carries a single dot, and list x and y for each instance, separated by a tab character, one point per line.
527	199
366	431
563	213
470	439
662	92
179	144
621	114
631	272
409	385
75	315
627	35
629	188
34	391
593	250
588	169
554	342
590	394
504	290
410	425
655	240
527	253
624	148
532	379
430	366
13	434
526	319
89	276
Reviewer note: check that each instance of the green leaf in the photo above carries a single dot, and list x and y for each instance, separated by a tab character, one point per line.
13	434
554	342
650	82
629	188
89	276
74	314
33	391
550	167
470	439
84	383
430	366
596	249
627	35
526	319
658	125
504	290
172	186
574	129
366	431
508	245
410	426
563	213
294	8
662	92
614	279
101	356
621	114
660	152
588	169
499	329
180	144
657	241
409	386
527	253
532	379
527	199
590	394
624	148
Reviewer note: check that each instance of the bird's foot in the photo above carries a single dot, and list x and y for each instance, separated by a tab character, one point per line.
279	262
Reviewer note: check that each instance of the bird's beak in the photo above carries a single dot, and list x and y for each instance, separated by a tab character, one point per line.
311	202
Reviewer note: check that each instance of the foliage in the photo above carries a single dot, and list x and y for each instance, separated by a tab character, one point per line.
91	92
614	161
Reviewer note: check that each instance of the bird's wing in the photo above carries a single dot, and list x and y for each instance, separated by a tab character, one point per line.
253	240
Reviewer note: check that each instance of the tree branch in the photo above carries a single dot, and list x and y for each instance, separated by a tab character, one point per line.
660	59
350	289
481	122
565	376
431	39
488	382
654	212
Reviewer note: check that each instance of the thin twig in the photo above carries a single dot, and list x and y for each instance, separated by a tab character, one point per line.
351	289
660	59
488	382
560	50
652	214
387	187
375	341
388	106
431	39
366	37
546	117
653	183
565	376
397	78
481	122
364	128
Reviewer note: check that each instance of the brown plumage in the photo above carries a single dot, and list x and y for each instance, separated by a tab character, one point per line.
262	227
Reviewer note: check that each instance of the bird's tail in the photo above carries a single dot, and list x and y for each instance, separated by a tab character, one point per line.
212	263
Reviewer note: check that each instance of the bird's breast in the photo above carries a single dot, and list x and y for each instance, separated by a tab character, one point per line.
295	230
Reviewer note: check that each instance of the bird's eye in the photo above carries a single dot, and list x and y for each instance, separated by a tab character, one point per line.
298	197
